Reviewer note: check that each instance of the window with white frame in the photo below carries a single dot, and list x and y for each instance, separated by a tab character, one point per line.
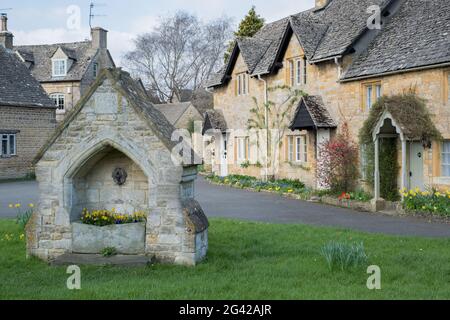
297	71
298	68
378	91
59	100
290	146
446	158
301	154
8	145
305	74
291	72
242	148
372	92
448	87
59	67
297	149
242	84
369	91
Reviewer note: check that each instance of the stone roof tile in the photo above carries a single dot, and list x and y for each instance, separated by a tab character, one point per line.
418	35
80	52
17	85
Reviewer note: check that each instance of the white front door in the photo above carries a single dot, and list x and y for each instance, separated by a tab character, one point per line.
224	156
417	154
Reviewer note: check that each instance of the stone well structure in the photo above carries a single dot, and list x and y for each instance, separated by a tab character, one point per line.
114	150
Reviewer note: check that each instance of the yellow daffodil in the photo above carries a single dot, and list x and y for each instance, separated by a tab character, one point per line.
18	205
31	205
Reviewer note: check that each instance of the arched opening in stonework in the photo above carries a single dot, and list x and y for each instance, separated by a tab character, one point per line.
109	179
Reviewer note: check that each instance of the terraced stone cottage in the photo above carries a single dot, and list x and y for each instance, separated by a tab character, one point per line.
114	150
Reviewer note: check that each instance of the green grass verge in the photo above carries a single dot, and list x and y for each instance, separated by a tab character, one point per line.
246	261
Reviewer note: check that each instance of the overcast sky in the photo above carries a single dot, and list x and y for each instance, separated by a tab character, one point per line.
46	21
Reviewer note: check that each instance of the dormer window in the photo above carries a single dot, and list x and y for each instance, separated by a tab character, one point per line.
59	67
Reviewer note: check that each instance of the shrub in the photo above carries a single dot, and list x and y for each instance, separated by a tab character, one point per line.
109	252
102	218
434	202
344	256
338	164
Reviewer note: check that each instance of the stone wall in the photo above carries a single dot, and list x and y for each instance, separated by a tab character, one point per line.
34	126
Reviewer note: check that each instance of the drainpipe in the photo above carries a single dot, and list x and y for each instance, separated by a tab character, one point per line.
266	120
339	66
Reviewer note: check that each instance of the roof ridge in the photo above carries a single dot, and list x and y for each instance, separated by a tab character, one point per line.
53	44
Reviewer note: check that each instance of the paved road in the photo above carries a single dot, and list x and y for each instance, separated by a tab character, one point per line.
219	201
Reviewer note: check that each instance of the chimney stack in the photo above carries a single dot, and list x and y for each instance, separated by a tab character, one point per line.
321	4
99	38
6	37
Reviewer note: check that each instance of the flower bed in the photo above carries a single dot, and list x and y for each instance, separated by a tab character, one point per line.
103	218
283	186
434	202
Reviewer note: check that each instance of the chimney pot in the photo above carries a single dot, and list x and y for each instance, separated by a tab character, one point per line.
99	38
4	23
6	37
321	3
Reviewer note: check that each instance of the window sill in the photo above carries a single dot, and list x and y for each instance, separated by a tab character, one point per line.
8	157
300	165
442	180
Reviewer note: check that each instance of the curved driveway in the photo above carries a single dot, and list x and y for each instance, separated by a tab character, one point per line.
220	201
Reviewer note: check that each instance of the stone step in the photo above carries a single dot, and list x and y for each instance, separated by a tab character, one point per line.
100	260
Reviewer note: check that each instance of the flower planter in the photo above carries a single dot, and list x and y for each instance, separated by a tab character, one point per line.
127	239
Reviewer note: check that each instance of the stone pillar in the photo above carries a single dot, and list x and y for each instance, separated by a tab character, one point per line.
377	169
404	165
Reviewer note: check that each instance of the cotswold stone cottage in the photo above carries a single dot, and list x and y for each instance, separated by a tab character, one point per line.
337	55
65	70
27	116
114	128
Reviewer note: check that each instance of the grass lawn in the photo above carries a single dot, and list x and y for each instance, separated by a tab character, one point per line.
246	261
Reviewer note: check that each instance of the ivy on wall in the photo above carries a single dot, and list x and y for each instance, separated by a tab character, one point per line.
389	169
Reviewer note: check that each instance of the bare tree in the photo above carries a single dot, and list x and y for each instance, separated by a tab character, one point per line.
181	53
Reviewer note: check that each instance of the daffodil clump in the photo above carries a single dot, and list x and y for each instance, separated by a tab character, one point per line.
110	217
22	215
435	202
